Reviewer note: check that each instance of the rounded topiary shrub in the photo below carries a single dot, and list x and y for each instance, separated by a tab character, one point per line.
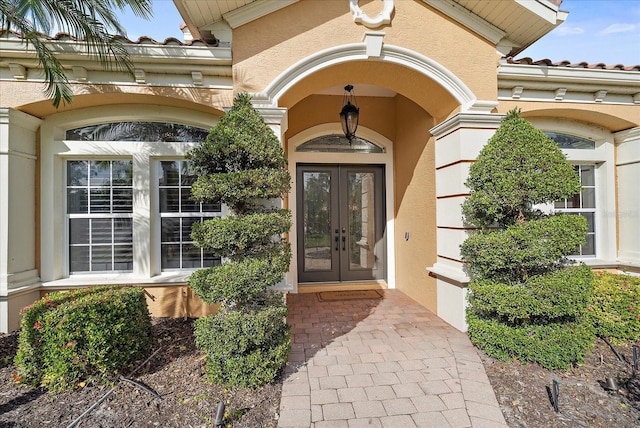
88	335
245	348
242	165
526	301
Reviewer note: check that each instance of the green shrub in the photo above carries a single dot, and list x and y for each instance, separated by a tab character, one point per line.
243	280
241	235
552	297
522	250
518	168
242	164
555	345
524	301
245	348
240	189
84	335
615	306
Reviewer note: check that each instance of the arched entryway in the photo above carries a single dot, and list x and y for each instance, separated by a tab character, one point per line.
342	207
341	216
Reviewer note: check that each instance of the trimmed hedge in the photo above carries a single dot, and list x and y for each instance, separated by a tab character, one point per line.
615	306
241	235
88	335
242	280
246	348
554	296
242	165
526	249
552	345
240	189
524	300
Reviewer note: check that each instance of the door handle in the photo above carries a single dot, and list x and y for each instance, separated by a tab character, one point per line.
344	240
337	240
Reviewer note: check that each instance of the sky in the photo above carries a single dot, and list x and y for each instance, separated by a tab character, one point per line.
595	31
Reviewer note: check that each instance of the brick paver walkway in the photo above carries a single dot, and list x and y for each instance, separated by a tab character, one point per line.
381	363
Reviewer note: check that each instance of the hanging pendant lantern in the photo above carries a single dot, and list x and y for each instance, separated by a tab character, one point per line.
350	113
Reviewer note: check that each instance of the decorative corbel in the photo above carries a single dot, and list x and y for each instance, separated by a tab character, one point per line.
19	71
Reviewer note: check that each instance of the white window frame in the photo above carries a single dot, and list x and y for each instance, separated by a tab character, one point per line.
89	216
602	156
583	210
179	214
55	151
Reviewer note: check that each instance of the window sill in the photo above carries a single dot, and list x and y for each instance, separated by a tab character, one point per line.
170	278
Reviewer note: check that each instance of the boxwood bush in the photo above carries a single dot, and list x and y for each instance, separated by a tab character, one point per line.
248	347
525	300
615	306
242	164
87	335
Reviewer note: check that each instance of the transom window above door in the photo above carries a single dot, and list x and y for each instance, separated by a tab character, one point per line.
339	144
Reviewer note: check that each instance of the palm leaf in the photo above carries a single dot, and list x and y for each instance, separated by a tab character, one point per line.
92	21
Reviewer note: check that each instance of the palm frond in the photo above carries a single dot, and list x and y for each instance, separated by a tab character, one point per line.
92	21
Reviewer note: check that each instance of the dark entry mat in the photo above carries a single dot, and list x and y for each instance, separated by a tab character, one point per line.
329	296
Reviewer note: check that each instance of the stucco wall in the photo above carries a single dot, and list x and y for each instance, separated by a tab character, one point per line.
414	150
29	97
377	113
264	48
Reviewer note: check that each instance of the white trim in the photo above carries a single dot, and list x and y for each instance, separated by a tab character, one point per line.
385	159
384	17
563	84
468	19
55	150
255	10
358	52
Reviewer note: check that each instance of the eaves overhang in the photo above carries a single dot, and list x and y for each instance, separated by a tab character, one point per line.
540	83
512	25
171	64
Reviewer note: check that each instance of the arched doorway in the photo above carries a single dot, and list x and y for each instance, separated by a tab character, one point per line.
341	206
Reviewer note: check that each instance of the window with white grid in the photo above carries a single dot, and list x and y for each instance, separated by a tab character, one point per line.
584	204
99	215
178	213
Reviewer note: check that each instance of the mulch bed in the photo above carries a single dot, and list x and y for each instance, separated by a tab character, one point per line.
174	373
188	400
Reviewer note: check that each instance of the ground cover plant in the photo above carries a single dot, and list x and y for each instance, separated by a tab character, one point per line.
242	165
615	307
77	337
525	300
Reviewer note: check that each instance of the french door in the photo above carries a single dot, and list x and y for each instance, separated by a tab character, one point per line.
340	221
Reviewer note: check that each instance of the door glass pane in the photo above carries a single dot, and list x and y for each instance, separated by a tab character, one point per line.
317	221
361	205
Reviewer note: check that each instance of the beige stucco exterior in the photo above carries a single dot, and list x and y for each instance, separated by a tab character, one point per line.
432	87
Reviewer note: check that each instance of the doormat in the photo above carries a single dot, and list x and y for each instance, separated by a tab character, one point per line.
329	296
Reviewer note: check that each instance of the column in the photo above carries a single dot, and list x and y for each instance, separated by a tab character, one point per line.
459	140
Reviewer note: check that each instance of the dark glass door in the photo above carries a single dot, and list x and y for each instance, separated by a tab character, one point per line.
340	223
